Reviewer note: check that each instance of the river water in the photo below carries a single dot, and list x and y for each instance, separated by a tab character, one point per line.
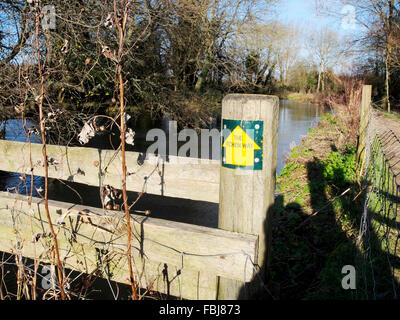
294	123
295	119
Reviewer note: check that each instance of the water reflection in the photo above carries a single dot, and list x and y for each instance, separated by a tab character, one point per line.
295	119
15	182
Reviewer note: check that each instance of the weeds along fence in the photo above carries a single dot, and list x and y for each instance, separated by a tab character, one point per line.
176	259
380	224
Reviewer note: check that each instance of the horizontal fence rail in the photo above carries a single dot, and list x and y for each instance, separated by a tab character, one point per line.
187	178
169	257
177	259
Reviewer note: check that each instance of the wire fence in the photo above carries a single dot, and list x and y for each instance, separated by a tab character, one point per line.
380	223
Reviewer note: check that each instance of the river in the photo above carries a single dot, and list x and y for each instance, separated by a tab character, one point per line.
295	119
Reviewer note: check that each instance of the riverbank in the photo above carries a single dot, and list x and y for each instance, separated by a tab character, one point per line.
302	97
317	213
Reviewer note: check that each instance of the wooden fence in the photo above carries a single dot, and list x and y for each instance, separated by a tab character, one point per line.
178	259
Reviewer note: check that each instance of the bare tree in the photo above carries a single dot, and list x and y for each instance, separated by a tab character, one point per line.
378	32
326	50
289	46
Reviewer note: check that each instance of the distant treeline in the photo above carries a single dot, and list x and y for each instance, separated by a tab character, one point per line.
181	57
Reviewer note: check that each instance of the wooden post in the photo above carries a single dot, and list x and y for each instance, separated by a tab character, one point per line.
365	116
247	189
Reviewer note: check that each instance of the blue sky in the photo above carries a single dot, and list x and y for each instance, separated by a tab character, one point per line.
303	12
296	10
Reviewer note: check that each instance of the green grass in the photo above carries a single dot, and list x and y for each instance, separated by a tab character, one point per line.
301	97
329	117
390	115
301	152
316	228
307	260
385	222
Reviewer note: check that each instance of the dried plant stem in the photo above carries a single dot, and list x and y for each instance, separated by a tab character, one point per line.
30	157
121	33
19	276
124	193
23	96
28	136
44	150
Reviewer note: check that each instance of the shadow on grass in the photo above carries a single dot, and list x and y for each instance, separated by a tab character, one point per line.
310	250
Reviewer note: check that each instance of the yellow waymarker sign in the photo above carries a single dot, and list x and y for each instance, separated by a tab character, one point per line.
239	148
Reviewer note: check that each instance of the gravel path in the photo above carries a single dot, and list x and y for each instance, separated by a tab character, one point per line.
389	132
384	122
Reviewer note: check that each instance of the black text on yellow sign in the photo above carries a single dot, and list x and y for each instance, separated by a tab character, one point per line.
242	144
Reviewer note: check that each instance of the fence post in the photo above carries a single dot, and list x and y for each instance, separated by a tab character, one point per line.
364	121
248	177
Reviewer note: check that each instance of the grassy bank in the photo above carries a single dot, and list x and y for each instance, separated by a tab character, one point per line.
301	97
317	214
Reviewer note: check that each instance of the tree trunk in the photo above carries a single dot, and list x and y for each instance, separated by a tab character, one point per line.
319	80
389	52
204	73
387	82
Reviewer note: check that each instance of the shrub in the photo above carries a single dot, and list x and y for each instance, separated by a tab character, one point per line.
340	169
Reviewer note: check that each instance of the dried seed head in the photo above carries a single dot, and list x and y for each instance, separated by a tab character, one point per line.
117	194
107	200
36	237
147	212
19	109
88	132
108	23
53	161
130	136
65	49
96	163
